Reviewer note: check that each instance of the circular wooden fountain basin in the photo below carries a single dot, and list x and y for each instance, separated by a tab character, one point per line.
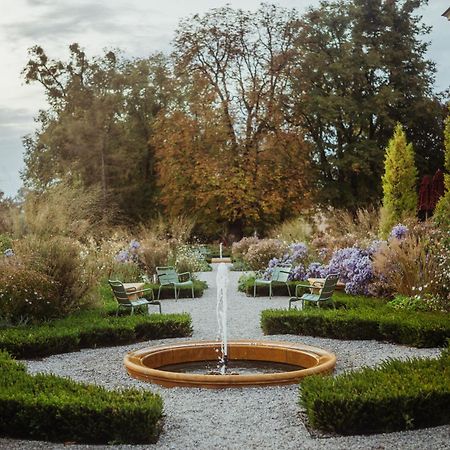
144	364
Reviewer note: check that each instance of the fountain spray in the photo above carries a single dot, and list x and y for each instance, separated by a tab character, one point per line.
222	282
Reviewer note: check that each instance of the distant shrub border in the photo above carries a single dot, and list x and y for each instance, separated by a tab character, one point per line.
398	395
415	329
56	409
90	329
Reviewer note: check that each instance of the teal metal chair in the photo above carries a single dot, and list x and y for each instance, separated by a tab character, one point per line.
132	299
280	274
167	276
325	292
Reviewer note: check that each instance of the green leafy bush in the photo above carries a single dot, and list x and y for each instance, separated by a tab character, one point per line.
397	395
90	329
376	322
51	408
5	242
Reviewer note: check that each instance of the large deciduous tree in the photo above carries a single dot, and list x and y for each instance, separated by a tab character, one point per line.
97	128
225	152
360	68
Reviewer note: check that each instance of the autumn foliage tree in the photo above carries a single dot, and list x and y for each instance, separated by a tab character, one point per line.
227	143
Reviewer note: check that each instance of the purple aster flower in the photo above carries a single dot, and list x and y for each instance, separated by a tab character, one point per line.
399	232
134	245
123	256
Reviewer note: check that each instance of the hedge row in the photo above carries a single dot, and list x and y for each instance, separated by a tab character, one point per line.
382	324
246	284
51	408
90	329
398	395
168	291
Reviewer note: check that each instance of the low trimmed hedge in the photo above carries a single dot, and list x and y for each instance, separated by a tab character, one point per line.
397	395
246	284
168	291
379	323
56	409
91	329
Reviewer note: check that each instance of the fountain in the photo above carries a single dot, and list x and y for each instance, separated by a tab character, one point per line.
187	364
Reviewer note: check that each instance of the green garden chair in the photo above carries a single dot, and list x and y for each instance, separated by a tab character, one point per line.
280	274
167	276
132	299
325	292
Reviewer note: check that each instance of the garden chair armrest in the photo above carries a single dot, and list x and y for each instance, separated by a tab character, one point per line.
143	290
185	273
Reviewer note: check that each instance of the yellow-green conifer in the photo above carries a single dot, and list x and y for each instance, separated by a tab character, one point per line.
399	182
442	211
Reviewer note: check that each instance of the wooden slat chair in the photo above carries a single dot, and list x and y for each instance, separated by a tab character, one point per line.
167	276
325	292
132	298
280	274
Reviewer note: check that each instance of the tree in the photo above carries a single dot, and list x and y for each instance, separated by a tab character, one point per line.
442	212
360	68
233	66
97	128
399	182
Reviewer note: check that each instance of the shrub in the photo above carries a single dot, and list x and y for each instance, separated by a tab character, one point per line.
397	395
52	408
294	230
62	210
153	252
91	329
240	249
27	295
378	323
416	264
72	268
260	253
190	259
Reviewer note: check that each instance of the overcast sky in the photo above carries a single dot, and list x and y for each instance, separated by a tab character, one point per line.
137	27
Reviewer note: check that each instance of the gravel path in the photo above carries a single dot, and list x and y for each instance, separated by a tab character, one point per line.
251	418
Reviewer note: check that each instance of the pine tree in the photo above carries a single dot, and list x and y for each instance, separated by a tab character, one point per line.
399	182
442	211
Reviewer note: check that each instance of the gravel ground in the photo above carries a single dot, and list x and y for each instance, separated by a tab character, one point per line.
251	418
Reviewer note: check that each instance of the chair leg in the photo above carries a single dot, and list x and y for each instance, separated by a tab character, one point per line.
159	291
132	310
254	290
176	295
289	289
270	290
192	289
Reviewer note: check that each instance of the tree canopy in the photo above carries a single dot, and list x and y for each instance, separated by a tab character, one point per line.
255	115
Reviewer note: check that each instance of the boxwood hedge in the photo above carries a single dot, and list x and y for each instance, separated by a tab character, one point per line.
91	329
397	395
379	323
51	408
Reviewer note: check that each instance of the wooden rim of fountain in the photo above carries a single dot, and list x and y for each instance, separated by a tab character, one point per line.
144	364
